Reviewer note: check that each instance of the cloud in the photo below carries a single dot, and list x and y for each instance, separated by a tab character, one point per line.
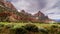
52	9
48	7
50	4
30	6
57	16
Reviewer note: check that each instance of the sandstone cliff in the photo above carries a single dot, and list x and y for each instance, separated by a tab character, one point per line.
9	13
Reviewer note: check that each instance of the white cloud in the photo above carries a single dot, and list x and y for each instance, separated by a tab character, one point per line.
53	13
32	6
54	16
53	10
50	4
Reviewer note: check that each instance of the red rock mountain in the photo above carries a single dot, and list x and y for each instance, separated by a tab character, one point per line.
8	4
7	11
39	14
19	16
41	17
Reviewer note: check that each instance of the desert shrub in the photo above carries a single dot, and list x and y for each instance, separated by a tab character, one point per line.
54	29
26	29
20	31
54	26
1	25
9	25
31	27
5	30
58	33
43	30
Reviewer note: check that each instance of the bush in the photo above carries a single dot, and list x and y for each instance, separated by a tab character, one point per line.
54	29
20	31
9	26
1	25
58	32
25	29
45	31
31	27
54	26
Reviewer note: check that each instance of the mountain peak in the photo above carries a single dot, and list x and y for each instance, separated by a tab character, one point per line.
39	13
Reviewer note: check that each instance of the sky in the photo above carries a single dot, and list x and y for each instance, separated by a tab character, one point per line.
51	8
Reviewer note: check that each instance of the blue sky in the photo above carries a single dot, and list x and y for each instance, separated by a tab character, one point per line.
51	8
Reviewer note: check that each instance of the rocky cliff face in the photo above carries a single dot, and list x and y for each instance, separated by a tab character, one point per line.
41	17
7	4
39	14
7	11
10	5
2	0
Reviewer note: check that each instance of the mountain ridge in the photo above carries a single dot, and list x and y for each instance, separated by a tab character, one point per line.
11	14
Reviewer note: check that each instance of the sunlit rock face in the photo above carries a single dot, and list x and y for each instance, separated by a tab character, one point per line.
6	11
7	4
2	0
10	5
40	15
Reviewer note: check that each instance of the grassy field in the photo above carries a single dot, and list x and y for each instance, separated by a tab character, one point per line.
22	24
42	28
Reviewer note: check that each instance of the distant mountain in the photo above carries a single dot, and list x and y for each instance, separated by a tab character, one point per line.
40	16
57	20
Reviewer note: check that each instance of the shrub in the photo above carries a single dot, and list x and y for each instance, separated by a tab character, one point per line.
31	27
1	25
54	29
20	31
58	32
9	26
45	31
54	26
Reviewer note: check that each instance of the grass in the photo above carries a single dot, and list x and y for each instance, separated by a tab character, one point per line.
46	27
22	24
